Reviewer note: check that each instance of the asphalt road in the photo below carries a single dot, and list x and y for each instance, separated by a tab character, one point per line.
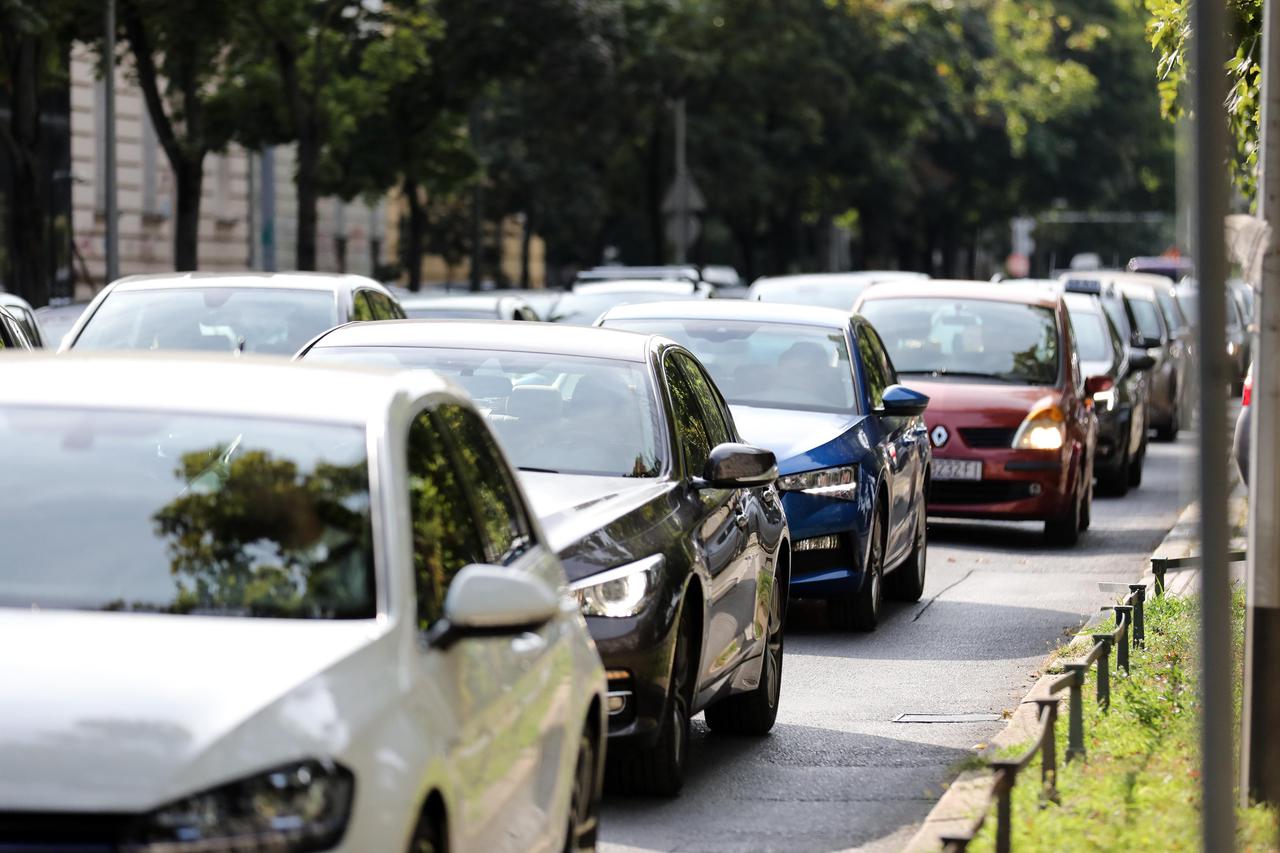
837	772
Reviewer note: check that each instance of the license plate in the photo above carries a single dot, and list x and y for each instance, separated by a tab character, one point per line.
957	469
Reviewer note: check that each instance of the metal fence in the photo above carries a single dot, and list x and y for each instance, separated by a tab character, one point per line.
1129	627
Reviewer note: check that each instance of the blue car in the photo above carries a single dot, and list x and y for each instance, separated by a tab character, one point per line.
815	386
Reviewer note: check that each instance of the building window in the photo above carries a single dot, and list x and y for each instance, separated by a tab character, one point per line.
222	189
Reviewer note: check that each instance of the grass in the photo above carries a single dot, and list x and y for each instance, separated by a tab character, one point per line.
1138	789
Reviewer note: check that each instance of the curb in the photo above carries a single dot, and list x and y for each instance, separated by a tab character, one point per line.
970	794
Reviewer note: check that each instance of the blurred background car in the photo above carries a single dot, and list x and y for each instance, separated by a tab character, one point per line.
287	574
668	526
1012	435
477	306
20	310
1240	440
589	300
1121	409
226	312
827	290
57	318
814	386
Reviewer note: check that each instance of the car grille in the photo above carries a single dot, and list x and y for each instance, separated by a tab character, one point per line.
58	831
985	437
983	492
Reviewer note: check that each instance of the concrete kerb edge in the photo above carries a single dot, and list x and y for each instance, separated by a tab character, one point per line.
970	794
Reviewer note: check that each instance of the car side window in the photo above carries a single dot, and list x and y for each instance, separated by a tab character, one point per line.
383	307
445	534
503	521
718	429
873	365
362	308
691	431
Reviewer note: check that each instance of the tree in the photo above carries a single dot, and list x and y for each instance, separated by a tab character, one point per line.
181	71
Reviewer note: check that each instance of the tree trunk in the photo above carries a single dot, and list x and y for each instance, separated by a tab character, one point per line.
308	195
413	241
526	238
189	179
653	195
29	248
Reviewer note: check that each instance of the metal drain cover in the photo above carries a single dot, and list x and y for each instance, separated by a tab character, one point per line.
946	718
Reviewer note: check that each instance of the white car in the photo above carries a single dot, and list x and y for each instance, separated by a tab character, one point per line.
250	605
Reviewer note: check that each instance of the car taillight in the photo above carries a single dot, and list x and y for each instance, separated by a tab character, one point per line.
1247	394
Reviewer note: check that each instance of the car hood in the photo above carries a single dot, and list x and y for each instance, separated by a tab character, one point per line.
980	402
572	506
790	433
114	712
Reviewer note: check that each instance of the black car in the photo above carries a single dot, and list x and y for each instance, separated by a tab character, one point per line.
1121	409
670	528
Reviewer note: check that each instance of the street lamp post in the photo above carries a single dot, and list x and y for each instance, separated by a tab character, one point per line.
112	233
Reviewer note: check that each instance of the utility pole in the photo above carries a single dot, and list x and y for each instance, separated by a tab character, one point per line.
112	235
1217	741
1259	747
682	184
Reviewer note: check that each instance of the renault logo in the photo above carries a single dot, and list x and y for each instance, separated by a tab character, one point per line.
939	435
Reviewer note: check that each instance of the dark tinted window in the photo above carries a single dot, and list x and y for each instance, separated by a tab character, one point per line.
362	307
184	513
445	534
876	365
1145	317
383	307
718	429
691	431
502	519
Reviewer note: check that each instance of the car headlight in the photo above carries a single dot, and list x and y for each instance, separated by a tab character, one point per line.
1044	429
623	591
1231	347
298	807
839	482
1106	398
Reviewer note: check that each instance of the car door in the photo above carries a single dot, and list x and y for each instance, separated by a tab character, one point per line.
895	440
717	539
532	720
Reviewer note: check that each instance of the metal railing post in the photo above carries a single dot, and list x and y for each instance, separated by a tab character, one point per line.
1139	592
1157	570
1124	616
1049	750
1075	711
1104	671
1006	777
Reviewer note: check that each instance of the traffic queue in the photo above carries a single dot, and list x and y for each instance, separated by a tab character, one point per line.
295	572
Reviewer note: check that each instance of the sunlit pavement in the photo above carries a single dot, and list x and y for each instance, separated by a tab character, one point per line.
837	772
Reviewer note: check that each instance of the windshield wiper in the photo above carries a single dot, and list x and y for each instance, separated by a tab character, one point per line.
968	374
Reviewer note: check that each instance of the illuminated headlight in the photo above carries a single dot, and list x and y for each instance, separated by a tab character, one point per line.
619	592
840	482
1106	398
1044	429
1231	347
303	806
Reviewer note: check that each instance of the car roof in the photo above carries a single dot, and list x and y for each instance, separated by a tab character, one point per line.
493	335
670	272
821	278
248	385
461	301
943	288
15	299
1121	278
636	285
733	309
292	280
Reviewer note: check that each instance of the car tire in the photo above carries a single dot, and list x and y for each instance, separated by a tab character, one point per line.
1169	431
659	771
584	798
1086	510
1064	528
1114	482
754	712
1135	464
906	583
861	611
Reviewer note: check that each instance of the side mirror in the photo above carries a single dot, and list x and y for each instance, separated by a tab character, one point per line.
732	465
1147	343
901	401
1098	384
487	601
1140	360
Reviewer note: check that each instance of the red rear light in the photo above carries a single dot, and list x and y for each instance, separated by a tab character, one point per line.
1247	394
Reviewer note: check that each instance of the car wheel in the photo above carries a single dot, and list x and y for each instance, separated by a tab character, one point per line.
584	799
907	581
861	611
1064	529
1086	510
1115	481
659	772
1169	430
754	713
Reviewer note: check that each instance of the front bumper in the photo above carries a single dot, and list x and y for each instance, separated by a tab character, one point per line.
1018	485
826	540
637	653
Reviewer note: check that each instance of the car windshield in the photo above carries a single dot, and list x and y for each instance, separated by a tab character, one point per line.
56	321
1145	316
582	309
1092	339
971	338
558	413
834	294
772	365
185	514
216	319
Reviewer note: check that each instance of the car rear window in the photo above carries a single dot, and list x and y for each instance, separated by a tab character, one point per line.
184	514
968	338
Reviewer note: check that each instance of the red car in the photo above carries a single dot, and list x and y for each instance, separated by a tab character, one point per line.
1010	416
